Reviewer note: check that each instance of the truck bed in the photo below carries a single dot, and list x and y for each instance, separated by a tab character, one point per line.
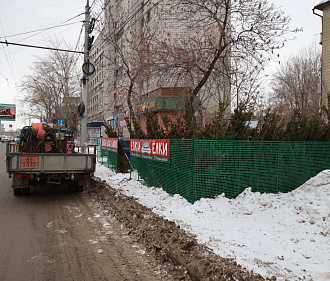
50	163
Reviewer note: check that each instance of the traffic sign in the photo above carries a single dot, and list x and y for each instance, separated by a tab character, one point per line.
88	68
115	122
61	123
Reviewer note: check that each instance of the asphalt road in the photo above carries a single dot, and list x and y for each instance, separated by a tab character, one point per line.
54	234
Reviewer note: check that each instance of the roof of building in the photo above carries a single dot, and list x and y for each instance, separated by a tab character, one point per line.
167	92
322	5
95	122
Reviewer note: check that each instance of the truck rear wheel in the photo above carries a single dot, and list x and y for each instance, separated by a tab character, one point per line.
17	191
80	188
25	191
76	185
72	184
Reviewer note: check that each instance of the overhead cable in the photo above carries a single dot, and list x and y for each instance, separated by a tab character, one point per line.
40	47
43	29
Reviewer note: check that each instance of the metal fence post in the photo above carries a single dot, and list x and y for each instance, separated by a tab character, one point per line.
239	164
193	171
278	166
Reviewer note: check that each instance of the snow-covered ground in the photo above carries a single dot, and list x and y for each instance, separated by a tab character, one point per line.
286	235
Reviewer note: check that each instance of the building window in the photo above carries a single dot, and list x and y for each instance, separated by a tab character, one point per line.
148	15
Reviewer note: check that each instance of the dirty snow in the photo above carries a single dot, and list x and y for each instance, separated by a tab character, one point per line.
286	235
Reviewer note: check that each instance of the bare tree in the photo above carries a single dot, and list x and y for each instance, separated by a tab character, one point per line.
245	82
295	83
52	88
198	40
192	44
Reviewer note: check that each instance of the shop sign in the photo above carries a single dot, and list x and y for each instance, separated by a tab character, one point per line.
110	144
145	106
122	123
154	149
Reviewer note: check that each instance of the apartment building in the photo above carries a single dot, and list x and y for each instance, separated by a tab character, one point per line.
131	23
323	10
99	97
119	16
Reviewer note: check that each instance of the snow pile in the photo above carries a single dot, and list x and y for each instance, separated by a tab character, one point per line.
286	235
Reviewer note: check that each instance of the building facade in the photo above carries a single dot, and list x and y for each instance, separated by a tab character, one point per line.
125	71
100	99
323	10
161	102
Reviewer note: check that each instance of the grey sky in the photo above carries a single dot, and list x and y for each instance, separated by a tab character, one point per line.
21	16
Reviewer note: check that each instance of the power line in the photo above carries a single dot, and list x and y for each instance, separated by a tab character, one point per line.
6	79
40	47
156	4
93	4
105	5
134	14
1	72
8	58
79	37
129	18
43	29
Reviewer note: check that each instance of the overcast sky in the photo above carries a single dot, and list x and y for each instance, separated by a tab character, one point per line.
22	17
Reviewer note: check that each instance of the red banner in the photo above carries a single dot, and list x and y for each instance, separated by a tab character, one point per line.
156	147
110	143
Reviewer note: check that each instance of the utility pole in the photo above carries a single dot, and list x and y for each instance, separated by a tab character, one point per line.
83	124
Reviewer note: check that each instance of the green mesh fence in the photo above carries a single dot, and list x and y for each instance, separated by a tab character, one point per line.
176	177
107	157
206	168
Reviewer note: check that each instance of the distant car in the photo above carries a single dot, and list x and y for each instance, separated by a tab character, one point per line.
6	139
